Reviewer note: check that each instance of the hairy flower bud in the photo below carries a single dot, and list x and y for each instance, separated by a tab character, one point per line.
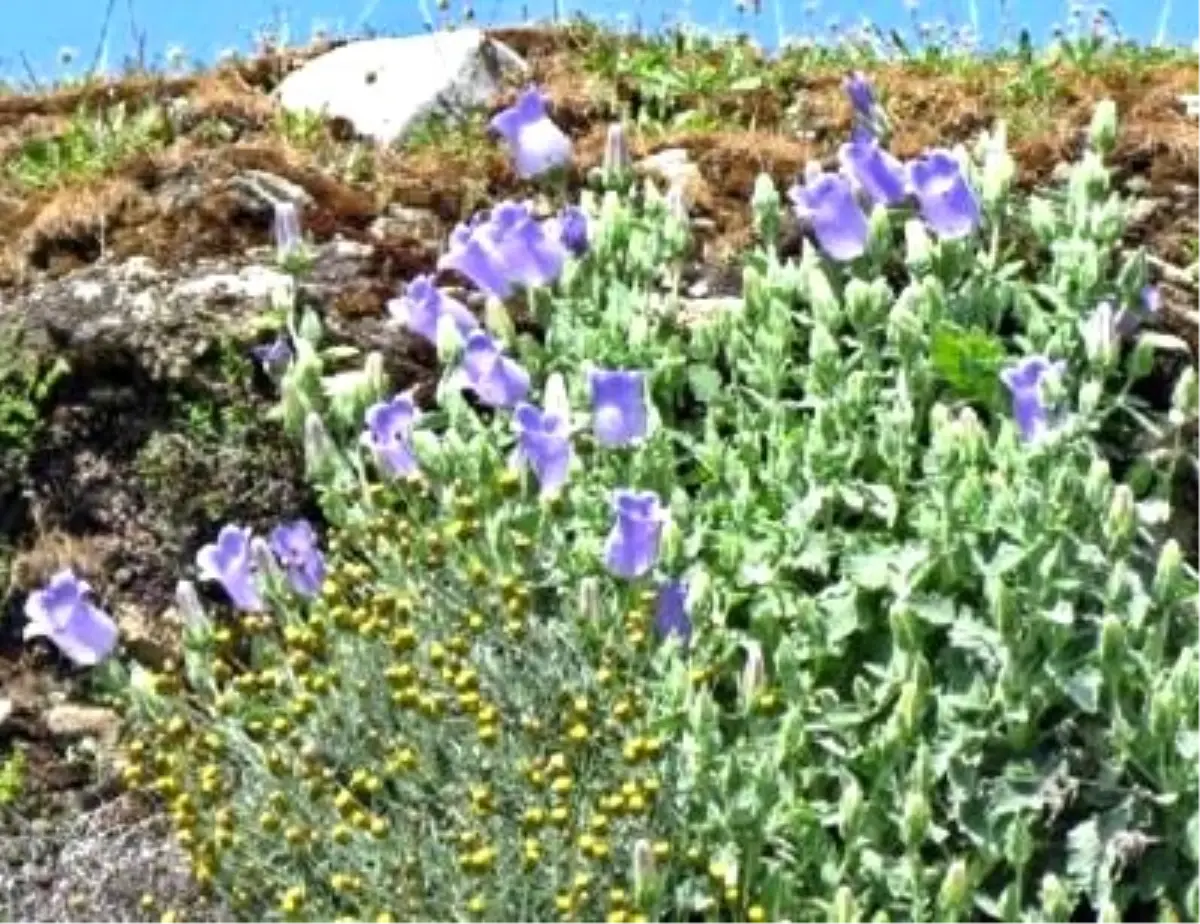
954	892
1102	133
1055	899
918	247
1168	570
1122	517
765	203
753	673
916	819
844	909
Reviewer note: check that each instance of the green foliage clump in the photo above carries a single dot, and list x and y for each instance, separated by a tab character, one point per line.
940	666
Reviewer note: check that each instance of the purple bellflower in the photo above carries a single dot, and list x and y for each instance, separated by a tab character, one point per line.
948	204
1026	381
827	202
228	561
295	545
497	380
424	304
470	256
619	407
62	613
632	547
671	618
274	357
389	433
876	170
535	142
572	226
544	443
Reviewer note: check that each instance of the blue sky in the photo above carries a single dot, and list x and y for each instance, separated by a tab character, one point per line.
37	30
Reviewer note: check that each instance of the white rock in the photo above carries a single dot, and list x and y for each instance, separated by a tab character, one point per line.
383	87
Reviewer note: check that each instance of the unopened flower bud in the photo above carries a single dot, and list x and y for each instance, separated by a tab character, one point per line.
1122	516
643	867
844	908
954	891
850	807
1102	133
1042	218
1163	715
753	673
1112	641
449	340
589	599
616	151
1185	397
1056	900
1018	843
318	445
908	707
1098	483
375	383
189	607
916	819
286	229
310	329
999	168
1168	570
765	205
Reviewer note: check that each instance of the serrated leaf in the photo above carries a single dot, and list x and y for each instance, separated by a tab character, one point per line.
969	361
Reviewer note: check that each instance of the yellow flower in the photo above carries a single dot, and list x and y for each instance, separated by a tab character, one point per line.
561	785
755	914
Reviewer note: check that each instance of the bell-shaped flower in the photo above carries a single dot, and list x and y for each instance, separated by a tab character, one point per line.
389	435
861	93
274	357
827	203
286	228
295	545
544	444
1026	381
876	170
535	142
619	406
424	304
633	545
228	562
471	256
62	613
616	150
573	230
948	204
497	380
671	618
526	253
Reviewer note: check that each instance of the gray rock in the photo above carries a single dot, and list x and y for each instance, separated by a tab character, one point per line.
384	87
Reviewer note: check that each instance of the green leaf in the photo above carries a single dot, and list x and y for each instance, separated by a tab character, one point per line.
1083	688
969	361
705	382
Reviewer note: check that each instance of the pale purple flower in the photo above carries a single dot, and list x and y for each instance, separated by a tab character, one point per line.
470	256
632	547
573	230
862	95
295	545
389	433
286	228
535	142
619	407
62	613
274	357
228	562
616	150
671	618
827	202
1151	299
496	379
424	304
544	443
876	170
947	202
1026	380
526	253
